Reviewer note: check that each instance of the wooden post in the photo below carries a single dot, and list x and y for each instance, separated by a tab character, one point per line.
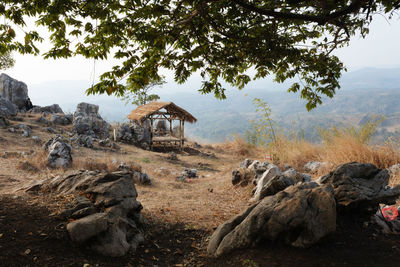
151	133
170	127
183	132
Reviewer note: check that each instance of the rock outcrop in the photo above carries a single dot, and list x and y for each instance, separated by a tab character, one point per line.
59	153
14	91
87	121
361	187
61	119
7	108
52	109
134	133
299	216
107	214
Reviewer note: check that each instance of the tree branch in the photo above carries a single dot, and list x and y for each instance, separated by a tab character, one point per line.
329	18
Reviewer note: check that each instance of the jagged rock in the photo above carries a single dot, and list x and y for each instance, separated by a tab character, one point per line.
242	176
361	187
43	120
116	226
394	169
105	142
7	108
274	185
299	216
4	122
13	90
125	133
83	140
297	177
52	109
245	163
61	119
259	169
135	133
314	166
236	177
87	121
189	173
50	130
26	130
59	153
268	174
141	177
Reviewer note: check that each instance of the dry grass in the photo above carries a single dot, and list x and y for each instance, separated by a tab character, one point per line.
238	147
337	150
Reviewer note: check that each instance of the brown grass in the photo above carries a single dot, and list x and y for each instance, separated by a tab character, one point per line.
339	150
238	147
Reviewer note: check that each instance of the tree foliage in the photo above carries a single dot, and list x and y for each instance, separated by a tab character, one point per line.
222	40
142	96
6	61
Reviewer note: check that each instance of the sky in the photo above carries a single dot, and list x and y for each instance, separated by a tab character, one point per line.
379	49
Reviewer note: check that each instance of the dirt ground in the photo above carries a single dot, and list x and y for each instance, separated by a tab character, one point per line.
181	215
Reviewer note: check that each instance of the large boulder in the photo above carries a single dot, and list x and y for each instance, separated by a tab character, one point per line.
299	216
52	109
268	174
7	108
109	215
59	153
135	133
87	121
274	185
13	90
361	187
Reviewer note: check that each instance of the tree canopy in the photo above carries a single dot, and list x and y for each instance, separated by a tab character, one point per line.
222	40
6	61
142	96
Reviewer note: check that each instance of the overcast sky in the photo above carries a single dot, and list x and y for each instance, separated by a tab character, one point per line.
381	48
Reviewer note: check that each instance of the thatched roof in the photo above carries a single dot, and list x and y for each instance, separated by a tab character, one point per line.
141	112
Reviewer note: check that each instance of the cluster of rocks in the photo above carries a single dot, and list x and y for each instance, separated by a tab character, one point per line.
135	133
104	214
267	178
303	212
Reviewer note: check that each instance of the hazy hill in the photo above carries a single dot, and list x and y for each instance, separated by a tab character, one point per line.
364	92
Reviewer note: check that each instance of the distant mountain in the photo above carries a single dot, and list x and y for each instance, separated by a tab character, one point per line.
364	92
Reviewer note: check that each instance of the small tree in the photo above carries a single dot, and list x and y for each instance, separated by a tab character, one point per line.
6	61
141	96
261	131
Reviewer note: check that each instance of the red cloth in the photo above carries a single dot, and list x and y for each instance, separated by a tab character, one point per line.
390	213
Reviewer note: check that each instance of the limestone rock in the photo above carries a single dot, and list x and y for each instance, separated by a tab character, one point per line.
61	119
361	187
299	216
52	109
268	174
245	163
110	221
83	140
314	166
272	186
87	121
59	153
7	108
13	90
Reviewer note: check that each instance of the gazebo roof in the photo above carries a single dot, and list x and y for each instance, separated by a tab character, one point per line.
144	111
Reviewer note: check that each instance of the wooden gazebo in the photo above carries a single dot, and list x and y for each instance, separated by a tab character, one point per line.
163	111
